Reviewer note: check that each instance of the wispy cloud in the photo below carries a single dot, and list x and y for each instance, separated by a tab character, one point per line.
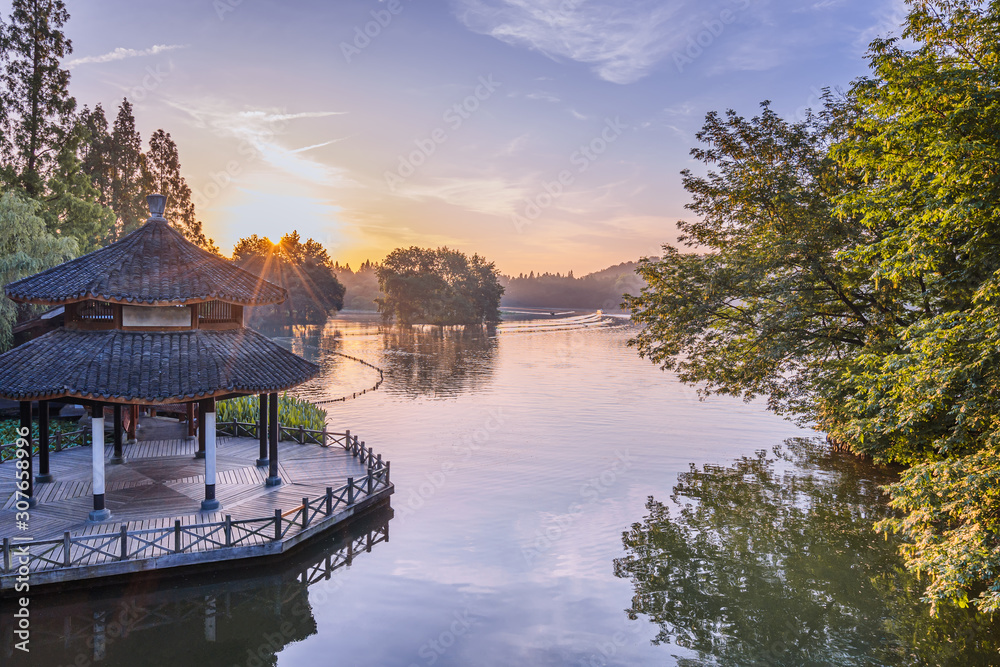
623	41
260	129
490	195
122	53
543	96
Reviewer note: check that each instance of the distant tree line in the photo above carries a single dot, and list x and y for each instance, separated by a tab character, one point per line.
71	181
362	286
600	290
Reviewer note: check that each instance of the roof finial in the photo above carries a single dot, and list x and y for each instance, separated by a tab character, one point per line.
157	205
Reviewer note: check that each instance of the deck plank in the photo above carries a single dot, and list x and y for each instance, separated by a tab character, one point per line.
161	481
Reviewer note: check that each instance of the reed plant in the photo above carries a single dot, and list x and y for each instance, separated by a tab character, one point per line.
292	412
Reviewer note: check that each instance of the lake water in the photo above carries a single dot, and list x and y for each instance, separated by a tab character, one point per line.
559	501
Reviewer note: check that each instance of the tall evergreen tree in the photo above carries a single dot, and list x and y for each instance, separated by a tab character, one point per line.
35	104
71	206
163	175
95	151
127	197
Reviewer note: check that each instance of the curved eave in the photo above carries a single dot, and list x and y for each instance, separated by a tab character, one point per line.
149	367
136	301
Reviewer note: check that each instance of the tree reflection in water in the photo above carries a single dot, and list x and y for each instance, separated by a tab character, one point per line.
437	361
773	561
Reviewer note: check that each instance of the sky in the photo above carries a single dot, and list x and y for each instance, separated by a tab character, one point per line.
546	135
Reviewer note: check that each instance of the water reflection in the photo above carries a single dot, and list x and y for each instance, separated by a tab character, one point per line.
240	619
437	361
418	361
773	561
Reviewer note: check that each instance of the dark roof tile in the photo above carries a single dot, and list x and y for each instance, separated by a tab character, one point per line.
150	367
153	265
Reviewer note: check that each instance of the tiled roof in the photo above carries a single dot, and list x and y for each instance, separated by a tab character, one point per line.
153	265
149	367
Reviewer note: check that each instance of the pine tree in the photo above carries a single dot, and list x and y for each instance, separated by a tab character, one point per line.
35	105
162	174
127	199
95	151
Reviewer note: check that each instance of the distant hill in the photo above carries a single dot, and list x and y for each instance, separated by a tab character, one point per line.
599	290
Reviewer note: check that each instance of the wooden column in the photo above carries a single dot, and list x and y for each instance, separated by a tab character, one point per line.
117	457
200	454
100	512
206	436
44	475
26	439
133	423
273	479
262	429
190	419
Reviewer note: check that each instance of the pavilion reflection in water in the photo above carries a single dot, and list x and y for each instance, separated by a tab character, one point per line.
246	619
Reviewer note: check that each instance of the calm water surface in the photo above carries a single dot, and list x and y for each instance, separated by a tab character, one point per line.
559	501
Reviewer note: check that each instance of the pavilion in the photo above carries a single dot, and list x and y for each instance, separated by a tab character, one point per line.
151	319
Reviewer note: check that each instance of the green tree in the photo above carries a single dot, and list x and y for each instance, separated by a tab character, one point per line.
26	247
71	206
927	142
769	307
126	197
35	104
162	174
95	151
850	275
440	286
305	270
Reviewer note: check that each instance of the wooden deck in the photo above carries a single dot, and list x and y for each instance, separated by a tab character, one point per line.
162	483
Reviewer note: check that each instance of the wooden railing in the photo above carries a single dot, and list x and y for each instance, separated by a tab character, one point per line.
59	442
80	550
81	628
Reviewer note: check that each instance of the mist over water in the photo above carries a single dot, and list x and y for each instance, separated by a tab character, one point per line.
521	457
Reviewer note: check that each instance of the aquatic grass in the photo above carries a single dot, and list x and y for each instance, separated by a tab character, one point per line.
9	428
292	412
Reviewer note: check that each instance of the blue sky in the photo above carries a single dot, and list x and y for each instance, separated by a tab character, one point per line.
545	135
